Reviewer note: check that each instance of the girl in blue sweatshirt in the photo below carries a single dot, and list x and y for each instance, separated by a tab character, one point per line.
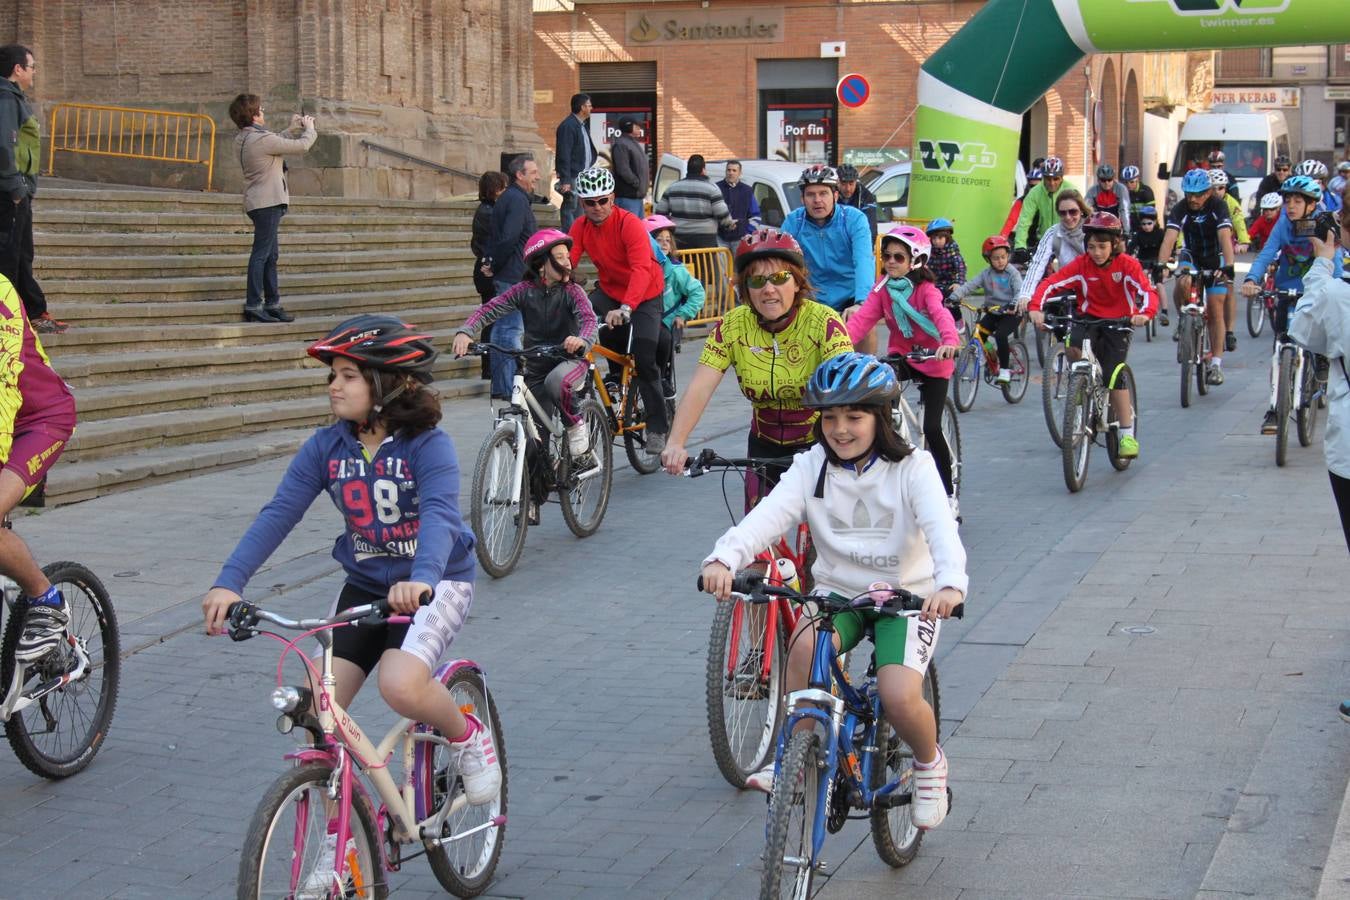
394	478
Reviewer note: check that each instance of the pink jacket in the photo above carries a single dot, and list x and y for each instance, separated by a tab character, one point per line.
927	299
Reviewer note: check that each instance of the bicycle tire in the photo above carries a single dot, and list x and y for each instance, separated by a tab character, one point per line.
951	431
1125	380
465	867
93	621
1054	388
1256	315
635	433
796	790
1042	346
573	493
1076	445
1186	356
310	781
1306	416
1020	368
1201	385
1284	398
966	376
896	761
498	525
732	720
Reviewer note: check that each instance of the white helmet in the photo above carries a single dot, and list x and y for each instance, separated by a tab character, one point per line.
1218	178
1272	201
594	182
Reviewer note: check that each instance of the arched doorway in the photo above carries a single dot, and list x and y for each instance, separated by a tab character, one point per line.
1035	133
1108	141
1132	137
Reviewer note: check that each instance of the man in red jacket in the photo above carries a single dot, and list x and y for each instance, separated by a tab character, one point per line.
632	284
1108	285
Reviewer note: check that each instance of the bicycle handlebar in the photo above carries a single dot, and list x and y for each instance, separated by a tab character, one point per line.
754	588
538	351
1281	293
244	617
921	354
708	460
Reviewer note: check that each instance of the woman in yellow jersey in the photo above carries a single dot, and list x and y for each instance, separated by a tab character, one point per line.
775	342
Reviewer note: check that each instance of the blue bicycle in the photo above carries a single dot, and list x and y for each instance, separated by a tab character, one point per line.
858	763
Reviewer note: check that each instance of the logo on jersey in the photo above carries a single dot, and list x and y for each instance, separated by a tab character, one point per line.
955	157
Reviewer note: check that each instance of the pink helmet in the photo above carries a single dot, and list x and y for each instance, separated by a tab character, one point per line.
920	248
658	223
541	243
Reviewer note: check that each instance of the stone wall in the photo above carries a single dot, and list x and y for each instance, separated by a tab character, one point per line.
450	81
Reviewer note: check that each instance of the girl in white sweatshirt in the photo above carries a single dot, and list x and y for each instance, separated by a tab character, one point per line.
877	513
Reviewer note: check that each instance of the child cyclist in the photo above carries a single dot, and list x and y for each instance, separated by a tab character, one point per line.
917	319
394	478
554	311
1262	225
1143	245
877	514
946	263
1000	283
1109	285
683	298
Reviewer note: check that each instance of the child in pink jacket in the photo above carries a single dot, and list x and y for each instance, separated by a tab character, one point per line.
912	307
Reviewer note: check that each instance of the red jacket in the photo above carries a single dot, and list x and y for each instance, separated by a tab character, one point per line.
622	252
1259	231
1113	291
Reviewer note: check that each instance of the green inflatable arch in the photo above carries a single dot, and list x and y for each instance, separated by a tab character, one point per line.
974	90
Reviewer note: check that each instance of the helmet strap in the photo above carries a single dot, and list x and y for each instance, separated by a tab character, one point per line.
771	324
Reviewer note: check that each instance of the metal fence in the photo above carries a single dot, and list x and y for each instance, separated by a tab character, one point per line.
712	266
130	133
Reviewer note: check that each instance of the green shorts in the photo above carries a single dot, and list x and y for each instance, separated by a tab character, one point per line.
908	641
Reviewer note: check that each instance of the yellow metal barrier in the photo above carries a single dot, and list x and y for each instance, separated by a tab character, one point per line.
712	266
133	134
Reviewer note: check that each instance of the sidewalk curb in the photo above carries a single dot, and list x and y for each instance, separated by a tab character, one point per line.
1336	871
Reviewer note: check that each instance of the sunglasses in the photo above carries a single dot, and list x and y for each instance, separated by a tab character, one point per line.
1054	177
895	257
778	278
1281	168
1070	213
596	201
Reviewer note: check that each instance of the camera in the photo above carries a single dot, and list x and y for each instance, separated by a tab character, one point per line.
1304	228
1327	226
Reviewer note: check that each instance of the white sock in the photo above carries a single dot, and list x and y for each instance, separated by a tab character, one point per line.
1127	430
1005	373
1218	362
930	765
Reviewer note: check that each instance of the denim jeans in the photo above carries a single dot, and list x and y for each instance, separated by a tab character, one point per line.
506	332
568	210
262	262
632	204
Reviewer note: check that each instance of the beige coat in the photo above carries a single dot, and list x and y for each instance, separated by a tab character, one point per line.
260	155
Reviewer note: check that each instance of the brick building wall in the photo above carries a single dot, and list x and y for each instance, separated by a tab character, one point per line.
450	81
707	93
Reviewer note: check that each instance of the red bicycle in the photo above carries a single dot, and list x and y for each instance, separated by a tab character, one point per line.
748	645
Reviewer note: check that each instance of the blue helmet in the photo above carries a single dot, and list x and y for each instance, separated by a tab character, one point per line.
1196	181
939	225
1148	212
853	379
1305	185
1129	173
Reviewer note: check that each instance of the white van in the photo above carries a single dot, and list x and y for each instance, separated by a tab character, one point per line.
1250	141
773	181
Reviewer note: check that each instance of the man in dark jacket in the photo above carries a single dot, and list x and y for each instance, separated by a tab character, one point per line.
512	224
20	146
740	200
631	168
853	194
574	151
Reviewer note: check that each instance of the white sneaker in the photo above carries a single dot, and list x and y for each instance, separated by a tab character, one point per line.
955	504
44	628
323	877
1004	377
929	806
578	441
476	760
762	780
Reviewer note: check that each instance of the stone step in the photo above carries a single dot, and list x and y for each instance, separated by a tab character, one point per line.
222	223
54	267
200	245
428	307
54	195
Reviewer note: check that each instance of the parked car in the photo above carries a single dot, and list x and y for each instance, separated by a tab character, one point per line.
891	187
773	181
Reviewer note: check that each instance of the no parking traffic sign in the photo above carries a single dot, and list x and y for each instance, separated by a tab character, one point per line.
853	90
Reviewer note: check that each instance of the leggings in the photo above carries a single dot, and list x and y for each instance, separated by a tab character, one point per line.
646	325
560	386
933	397
1340	489
1002	326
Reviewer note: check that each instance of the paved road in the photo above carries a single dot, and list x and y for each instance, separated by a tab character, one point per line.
1201	758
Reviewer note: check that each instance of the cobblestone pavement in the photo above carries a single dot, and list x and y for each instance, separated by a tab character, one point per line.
1199	756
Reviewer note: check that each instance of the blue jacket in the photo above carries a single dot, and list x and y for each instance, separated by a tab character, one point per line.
839	254
575	150
512	224
1295	257
400	510
741	202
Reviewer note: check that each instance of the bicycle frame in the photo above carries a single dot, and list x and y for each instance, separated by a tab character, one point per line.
15	700
779	608
627	374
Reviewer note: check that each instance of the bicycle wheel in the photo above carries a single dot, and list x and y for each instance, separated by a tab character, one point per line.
1054	388
1042	346
788	863
744	709
498	524
1020	369
62	733
1284	402
1124	381
1075	437
286	836
1201	385
893	831
465	867
966	378
1186	357
585	485
635	433
1307	402
951	430
1256	315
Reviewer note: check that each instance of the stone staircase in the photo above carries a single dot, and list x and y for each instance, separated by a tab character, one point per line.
169	381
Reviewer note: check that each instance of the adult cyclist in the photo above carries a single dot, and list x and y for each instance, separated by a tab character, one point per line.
1141	195
1110	196
852	193
1223	188
1317	170
1278	173
1203	220
632	285
836	243
37	417
1038	206
774	341
1293	256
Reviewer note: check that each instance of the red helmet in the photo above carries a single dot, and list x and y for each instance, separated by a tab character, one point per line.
768	243
541	243
1103	222
992	243
383	343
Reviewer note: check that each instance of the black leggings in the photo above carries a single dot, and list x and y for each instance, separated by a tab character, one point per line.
1340	489
646	325
933	398
1002	326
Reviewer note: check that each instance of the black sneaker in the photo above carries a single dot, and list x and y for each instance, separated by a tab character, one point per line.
1162	318
278	313
1229	342
1269	425
1345	710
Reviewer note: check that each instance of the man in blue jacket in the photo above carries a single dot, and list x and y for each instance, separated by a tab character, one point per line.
574	151
512	224
836	242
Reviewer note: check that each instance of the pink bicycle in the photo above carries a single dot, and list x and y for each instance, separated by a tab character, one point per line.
323	798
